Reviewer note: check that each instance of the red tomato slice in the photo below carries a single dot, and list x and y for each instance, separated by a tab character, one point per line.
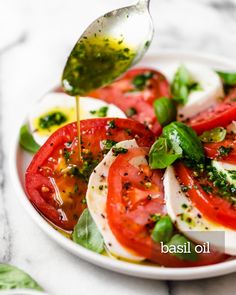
212	206
134	195
212	150
219	115
55	185
127	97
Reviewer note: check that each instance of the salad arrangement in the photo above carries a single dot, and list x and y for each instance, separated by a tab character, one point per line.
158	165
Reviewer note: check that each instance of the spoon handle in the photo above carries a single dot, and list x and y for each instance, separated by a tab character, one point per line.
143	3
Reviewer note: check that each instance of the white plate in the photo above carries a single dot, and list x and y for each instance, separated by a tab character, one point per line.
19	160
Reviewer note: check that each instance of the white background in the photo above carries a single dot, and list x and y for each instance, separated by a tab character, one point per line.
35	39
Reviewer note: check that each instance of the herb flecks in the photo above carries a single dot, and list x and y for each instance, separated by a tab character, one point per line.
119	150
101	113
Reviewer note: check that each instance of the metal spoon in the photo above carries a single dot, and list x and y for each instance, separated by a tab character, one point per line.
132	23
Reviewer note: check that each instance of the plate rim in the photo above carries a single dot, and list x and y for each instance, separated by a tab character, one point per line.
131	269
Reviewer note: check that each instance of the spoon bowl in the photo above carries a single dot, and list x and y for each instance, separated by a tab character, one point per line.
132	24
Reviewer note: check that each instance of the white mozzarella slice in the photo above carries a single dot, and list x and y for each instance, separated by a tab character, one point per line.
190	220
199	100
228	170
61	102
97	198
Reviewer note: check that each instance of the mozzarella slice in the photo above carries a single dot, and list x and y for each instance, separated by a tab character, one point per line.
228	170
96	200
65	104
198	100
189	219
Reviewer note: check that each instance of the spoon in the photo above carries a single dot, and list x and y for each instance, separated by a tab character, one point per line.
88	68
107	48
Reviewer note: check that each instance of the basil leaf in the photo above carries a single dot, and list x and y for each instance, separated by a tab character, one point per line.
161	155
184	137
183	85
165	110
179	241
214	135
27	141
228	78
14	278
87	234
163	230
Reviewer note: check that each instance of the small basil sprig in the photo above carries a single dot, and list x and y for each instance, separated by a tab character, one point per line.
214	135
184	136
163	230
12	277
179	241
178	140
141	80
87	234
27	141
165	110
182	85
228	78
162	154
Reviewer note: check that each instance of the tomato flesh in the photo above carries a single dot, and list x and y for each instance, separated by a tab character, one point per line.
211	206
212	150
126	96
220	115
134	195
56	184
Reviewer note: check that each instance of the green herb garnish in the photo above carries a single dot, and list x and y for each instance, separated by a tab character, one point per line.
165	110
214	135
14	278
183	85
228	78
119	150
163	230
140	81
101	113
87	234
27	141
52	119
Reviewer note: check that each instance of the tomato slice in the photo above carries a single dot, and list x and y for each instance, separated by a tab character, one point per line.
212	206
56	184
212	150
137	102
134	195
219	115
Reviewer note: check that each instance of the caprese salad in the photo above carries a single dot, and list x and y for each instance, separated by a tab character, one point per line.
159	165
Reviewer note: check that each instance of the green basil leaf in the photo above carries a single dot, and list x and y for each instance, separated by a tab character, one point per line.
13	278
163	230
184	137
228	78
214	135
182	85
178	242
161	155
165	110
87	234
27	141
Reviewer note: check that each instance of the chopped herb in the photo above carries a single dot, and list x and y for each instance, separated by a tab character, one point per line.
101	113
119	150
108	144
52	119
140	81
112	124
76	188
66	155
224	151
131	112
